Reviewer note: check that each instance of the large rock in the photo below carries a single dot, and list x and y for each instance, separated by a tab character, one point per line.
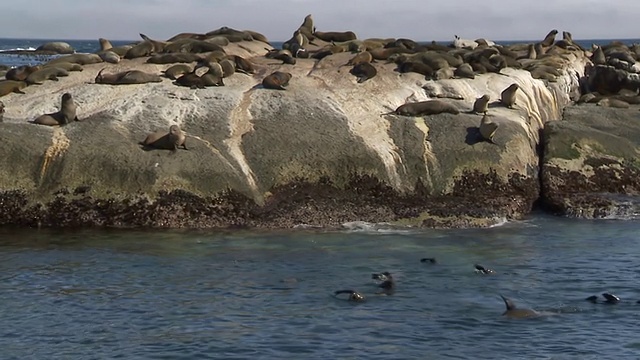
590	167
56	47
319	153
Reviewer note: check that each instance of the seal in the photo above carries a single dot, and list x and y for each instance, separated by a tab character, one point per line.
335	36
228	67
158	46
67	66
109	56
608	299
21	73
105	44
429	260
143	48
613	103
363	72
192	46
66	114
82	59
353	295
464	71
172	140
1	110
508	96
257	36
276	80
483	270
46	73
242	65
422	108
481	105
550	38
190	80
126	77
514	313
417	67
283	55
361	57
387	285
178	69
12	86
172	58
487	128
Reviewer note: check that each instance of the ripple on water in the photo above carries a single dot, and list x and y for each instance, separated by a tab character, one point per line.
238	295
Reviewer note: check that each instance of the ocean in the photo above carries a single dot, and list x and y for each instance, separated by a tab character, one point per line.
241	294
181	294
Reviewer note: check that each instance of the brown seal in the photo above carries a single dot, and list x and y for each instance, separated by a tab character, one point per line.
361	57
364	71
481	104
172	140
46	73
257	36
421	108
508	95
67	66
82	59
284	55
598	57
172	58
464	71
242	65
277	80
550	38
126	77
178	69
191	80
21	73
417	67
613	103
109	56
66	114
228	67
143	48
105	44
1	110
191	46
335	36
487	128
11	86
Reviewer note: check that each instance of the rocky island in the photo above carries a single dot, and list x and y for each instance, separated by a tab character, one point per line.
547	124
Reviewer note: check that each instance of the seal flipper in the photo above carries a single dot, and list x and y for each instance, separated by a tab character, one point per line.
508	303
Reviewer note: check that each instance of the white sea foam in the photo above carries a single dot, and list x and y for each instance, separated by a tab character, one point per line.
20	49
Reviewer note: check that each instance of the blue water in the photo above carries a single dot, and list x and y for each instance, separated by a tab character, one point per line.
89	46
268	295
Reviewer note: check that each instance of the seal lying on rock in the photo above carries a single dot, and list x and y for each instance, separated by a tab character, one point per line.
127	77
276	80
167	141
9	86
66	114
364	71
421	108
21	73
1	110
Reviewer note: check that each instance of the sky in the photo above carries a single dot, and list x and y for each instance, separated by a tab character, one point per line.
420	20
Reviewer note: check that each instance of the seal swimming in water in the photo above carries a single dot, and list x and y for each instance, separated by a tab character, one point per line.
167	141
508	95
387	285
353	295
421	108
429	260
276	80
514	313
66	114
609	299
483	270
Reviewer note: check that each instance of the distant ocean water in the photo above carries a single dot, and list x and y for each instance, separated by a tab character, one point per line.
89	46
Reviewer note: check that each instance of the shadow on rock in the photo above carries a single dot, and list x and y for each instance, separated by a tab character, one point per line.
473	136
